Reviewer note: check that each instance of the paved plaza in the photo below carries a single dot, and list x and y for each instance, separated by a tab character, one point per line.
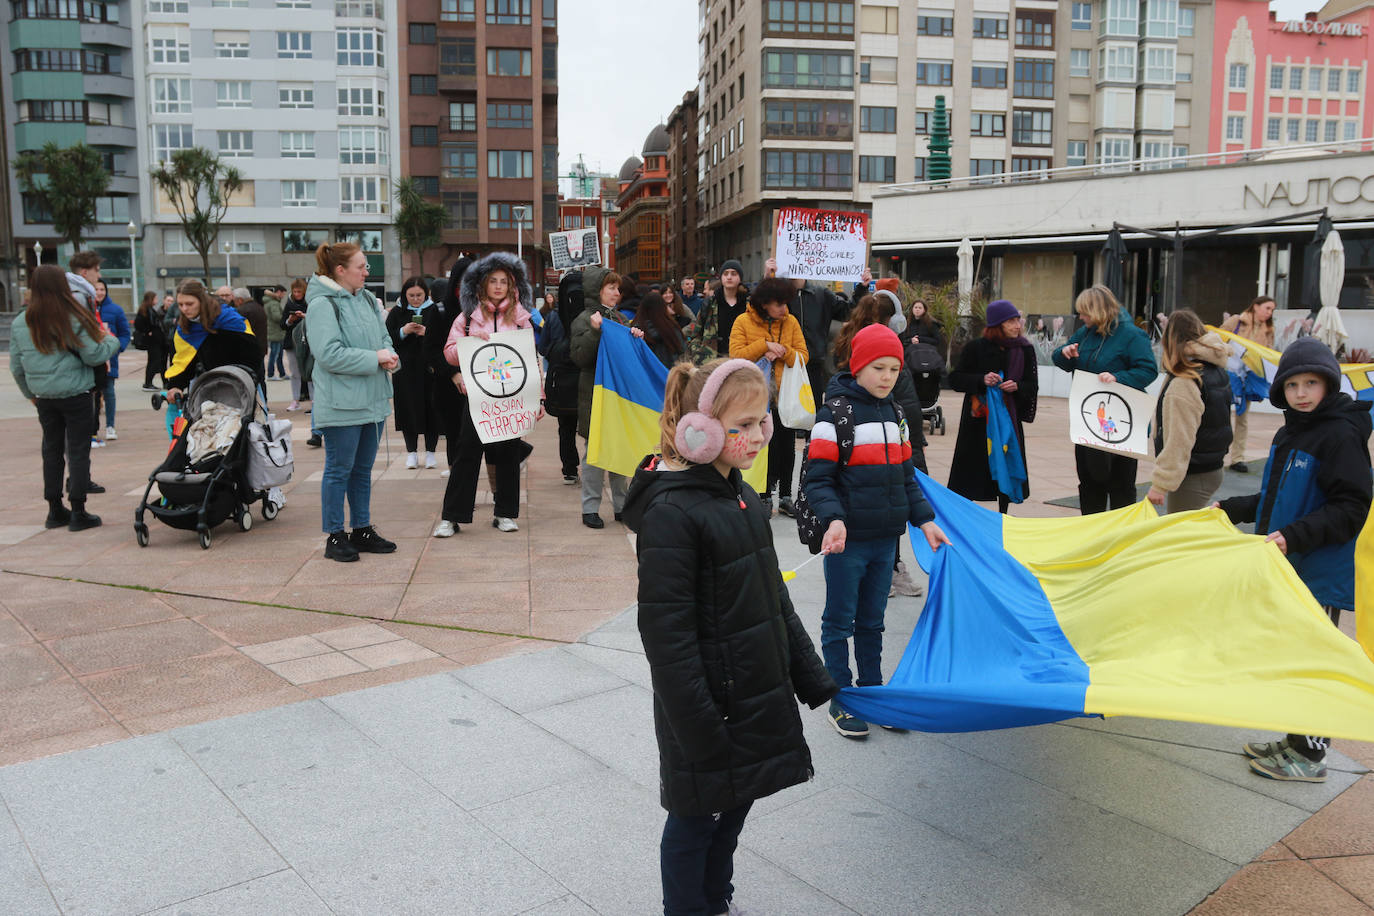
465	727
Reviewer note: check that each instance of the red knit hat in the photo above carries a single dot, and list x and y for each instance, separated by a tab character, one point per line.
873	342
888	283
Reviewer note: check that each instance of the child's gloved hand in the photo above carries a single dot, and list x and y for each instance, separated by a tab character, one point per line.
935	535
833	542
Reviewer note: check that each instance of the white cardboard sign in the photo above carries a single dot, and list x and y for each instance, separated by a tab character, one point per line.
574	248
826	245
502	378
1112	418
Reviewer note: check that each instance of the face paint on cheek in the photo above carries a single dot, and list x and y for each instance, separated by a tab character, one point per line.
736	443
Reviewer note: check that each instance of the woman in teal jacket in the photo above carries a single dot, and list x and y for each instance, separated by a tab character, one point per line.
1111	346
353	361
54	344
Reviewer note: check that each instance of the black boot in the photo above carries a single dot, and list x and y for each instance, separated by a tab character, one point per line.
81	519
58	516
367	540
338	547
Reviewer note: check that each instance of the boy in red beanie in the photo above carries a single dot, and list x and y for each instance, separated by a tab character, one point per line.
862	486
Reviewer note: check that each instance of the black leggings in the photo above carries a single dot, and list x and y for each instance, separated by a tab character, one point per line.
503	458
781	457
413	440
1103	479
567	445
66	426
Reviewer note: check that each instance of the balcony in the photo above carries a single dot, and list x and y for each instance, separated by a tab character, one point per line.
108	84
111	135
107	34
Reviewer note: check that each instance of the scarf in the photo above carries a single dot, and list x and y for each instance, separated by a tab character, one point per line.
1016	369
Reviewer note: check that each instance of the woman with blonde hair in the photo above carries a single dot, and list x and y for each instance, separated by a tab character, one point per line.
1110	346
1255	323
209	334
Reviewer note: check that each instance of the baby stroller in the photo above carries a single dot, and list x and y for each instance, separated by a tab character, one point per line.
927	367
198	496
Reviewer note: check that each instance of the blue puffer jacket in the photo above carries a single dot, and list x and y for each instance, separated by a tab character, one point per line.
112	313
875	493
1125	353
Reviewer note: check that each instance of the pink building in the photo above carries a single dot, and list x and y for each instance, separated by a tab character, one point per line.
1285	83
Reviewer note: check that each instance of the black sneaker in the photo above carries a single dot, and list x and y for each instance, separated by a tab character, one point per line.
846	724
1240	467
91	486
620	516
81	520
592	520
785	507
58	517
314	442
367	540
338	547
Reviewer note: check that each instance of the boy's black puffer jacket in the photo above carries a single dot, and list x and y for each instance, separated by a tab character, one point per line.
726	651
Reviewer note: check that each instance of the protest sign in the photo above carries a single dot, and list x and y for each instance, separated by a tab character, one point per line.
502	377
825	245
574	248
1111	418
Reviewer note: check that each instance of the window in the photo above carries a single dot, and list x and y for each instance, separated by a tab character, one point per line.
1116	63
550	14
235	144
550	162
501	215
293	45
358	9
1313	127
458	57
424	135
990	27
1030	167
1032	128
508	62
877	70
362	195
232	45
298	193
920	173
1183	68
423	33
427	185
989	76
510	114
171	96
979	167
236	94
882	20
1314	79
1154	150
1276	76
1076	152
1034	79
1120	18
1080	62
934	73
1295	79
359	48
290	95
551	63
462	116
784	169
508	12
1187	17
1082	17
168	138
462	207
1112	150
293	4
302	241
1352	81
1351	130
1159	64
1035	29
875	120
809	70
458	10
988	124
510	163
1332	127
67	61
878	168
52	110
1161	19
424	84
816	19
799	118
458	160
169	6
938	24
1235	127
297	144
1333	81
169	45
365	145
365	100
1292	129
1273	129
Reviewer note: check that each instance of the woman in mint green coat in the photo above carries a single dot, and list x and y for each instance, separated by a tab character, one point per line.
352	380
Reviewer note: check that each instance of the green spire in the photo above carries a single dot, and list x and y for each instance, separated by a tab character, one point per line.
938	167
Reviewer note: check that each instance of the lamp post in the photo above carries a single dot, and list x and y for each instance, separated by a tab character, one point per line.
37	253
228	276
133	263
606	244
520	213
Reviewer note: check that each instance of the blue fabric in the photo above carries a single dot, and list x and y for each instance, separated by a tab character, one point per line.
1327	571
626	366
1004	449
349	452
1246	388
856	586
986	630
113	315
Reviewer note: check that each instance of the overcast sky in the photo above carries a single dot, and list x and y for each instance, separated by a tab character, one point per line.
623	66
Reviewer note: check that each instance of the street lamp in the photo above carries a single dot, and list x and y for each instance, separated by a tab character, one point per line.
606	243
520	214
133	263
38	253
228	276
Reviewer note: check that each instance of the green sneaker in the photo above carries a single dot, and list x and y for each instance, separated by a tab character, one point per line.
846	724
1290	766
1257	750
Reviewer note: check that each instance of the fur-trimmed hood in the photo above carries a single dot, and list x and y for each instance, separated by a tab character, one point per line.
476	275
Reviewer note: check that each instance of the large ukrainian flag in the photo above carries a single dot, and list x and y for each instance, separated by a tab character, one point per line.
627	402
1357	379
1123	613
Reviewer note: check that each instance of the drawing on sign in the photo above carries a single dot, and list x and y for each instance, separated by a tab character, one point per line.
498	369
574	248
1107	416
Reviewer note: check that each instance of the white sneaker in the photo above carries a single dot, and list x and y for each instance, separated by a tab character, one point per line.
110	434
445	472
501	523
97	443
412	461
430	461
294	405
445	529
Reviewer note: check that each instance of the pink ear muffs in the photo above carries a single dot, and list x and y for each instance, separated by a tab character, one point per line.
700	436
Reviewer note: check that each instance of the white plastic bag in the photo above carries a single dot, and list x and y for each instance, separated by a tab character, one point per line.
270	458
796	403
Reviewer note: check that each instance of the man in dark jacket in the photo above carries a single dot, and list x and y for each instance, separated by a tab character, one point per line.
256	316
446	399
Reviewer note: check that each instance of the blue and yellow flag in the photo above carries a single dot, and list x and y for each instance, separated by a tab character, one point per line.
1364	586
1005	463
1357	379
627	402
1122	613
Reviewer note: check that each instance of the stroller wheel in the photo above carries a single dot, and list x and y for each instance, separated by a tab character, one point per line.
244	519
270	510
204	536
141	535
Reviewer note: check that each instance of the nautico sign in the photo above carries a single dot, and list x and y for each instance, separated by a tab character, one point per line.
1314	192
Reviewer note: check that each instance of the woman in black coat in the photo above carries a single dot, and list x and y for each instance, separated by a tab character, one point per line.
1004	357
447	401
413	383
563	375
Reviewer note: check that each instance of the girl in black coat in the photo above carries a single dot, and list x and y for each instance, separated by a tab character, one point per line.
446	398
1001	357
413	383
726	652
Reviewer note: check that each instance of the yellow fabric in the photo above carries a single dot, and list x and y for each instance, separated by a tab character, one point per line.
757	475
1183	617
1364	586
1263	361
622	432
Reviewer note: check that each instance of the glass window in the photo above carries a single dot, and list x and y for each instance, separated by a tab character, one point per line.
1035	29
1159	64
1238	76
462	116
298	194
233	45
169	45
785	169
508	61
1351	130
810	70
1314	79
882	20
302	241
171	96
1076	152
297	144
1082	14
813	19
1161	18
359	48
1235	127
1032	127
458	10
1183	68
803	118
989	76
235	144
1333	81
424	84
365	145
1293	129
510	163
293	45
1273	129
878	168
988	124
550	14
1275	76
458	160
980	167
233	94
362	195
294	96
877	120
423	33
1080	62
990	26
1030	168
1295	79
457	57
510	114
361	100
939	24
877	69
1352	81
168	138
1034	79
920	174
550	61
461	207
424	135
1313	128
1116	63
508	12
934	73
358	9
1113	149
171	6
1120	18
502	215
1187	18
1332	127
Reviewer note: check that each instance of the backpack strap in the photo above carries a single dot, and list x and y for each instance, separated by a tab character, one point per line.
842	411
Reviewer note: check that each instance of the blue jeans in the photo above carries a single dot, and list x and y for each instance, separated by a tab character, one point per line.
856	586
349	452
274	360
110	400
697	861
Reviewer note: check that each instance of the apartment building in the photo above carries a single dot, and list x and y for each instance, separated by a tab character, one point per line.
479	116
299	95
684	253
643	209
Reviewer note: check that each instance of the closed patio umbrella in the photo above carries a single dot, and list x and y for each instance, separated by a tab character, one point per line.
1329	328
1113	270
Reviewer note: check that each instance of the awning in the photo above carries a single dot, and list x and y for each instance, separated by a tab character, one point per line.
1095	238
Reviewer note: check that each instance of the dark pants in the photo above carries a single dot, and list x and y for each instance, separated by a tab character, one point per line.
66	426
1311	746
780	457
97	397
1104	478
452	409
567	445
460	496
413	440
856	586
157	361
696	858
